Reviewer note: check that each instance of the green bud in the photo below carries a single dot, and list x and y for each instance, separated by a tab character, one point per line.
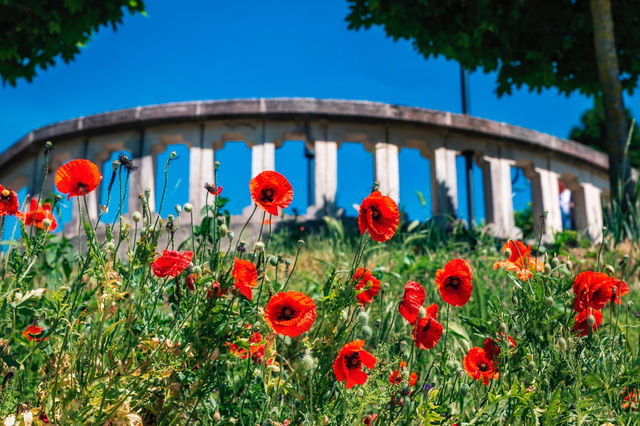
188	207
464	389
569	265
548	301
258	247
555	262
216	165
562	344
591	321
363	317
273	261
137	216
531	366
307	362
223	230
147	193
609	269
173	155
287	262
366	332
547	268
178	208
300	243
230	235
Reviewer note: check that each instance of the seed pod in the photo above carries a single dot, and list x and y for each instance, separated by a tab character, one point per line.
258	247
363	318
366	332
562	344
137	216
188	207
548	301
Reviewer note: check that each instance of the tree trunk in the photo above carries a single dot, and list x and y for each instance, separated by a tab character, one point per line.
609	76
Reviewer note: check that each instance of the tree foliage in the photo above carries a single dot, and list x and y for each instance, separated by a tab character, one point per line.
36	33
592	128
540	44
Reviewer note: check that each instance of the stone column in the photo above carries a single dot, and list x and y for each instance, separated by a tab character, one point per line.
444	189
545	197
387	169
263	157
200	172
326	174
498	197
141	178
588	210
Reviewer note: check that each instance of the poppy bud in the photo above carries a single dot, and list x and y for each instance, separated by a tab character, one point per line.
548	301
300	243
547	268
178	208
562	344
366	332
230	235
363	317
422	312
147	193
307	362
555	262
223	230
273	261
173	155
569	265
216	416
188	207
591	320
609	269
287	262
503	328
216	165
46	222
48	145
531	366
115	164
137	216
258	247
464	389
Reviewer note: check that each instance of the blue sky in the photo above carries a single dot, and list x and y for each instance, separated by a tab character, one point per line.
241	49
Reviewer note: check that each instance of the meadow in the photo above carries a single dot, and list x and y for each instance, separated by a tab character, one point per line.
374	321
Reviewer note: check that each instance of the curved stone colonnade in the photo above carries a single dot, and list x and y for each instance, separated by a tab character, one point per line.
264	124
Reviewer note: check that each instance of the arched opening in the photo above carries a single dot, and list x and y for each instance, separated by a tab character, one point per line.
294	161
568	198
234	175
415	184
355	176
469	178
114	196
522	211
176	184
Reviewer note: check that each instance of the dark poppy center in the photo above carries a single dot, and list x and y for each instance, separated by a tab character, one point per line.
267	195
353	360
483	367
286	314
454	282
5	193
375	213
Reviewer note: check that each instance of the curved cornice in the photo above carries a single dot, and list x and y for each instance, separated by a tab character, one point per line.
300	109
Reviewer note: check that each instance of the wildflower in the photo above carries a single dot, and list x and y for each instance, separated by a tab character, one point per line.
581	321
34	332
216	290
348	364
126	162
77	177
271	190
171	263
36	215
191	280
368	283
370	419
492	347
519	260
212	190
412	301
245	277
631	398
479	366
427	331
256	348
593	289
620	289
396	376
8	202
290	314
454	282
379	215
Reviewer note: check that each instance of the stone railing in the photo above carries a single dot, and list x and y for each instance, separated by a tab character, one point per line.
264	124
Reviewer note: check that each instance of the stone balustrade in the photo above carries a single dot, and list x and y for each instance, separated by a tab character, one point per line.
264	124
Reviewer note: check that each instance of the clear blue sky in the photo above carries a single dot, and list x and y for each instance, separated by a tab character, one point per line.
239	49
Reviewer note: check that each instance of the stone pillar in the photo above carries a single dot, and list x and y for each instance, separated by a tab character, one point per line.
141	178
498	197
326	173
444	189
588	210
387	169
263	157
200	172
545	197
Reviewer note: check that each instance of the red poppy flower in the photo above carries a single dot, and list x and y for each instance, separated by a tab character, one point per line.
271	190
171	263
77	177
427	331
492	348
191	281
379	215
216	290
348	364
245	277
593	289
479	366
36	215
581	321
256	348
396	377
32	332
370	419
621	288
520	260
631	399
412	300
8	202
368	283
454	282
290	314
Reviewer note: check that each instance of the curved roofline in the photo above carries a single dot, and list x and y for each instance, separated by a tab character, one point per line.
301	108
